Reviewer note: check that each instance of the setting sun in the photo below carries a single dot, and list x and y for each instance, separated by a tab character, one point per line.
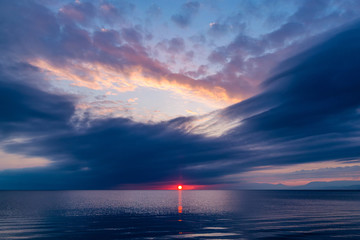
179	187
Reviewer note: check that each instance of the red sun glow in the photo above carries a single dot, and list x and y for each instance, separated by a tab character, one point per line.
179	187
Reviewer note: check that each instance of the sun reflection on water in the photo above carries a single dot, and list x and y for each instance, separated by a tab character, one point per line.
180	203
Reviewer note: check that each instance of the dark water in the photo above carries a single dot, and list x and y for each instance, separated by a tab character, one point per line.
179	214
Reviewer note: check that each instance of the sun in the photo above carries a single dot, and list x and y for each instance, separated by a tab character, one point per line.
179	187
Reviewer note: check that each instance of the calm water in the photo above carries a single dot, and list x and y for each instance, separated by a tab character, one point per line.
179	214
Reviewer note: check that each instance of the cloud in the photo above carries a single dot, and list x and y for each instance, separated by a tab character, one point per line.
186	14
132	36
132	100
176	45
13	161
200	72
173	46
79	12
251	56
308	112
105	58
26	109
305	173
191	112
99	76
101	59
113	15
218	29
113	150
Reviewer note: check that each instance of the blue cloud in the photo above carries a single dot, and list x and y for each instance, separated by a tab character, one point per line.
186	14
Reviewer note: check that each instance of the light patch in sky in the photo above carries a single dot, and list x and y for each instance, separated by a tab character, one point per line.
304	166
300	174
158	96
16	161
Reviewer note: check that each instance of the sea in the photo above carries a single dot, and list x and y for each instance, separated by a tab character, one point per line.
196	214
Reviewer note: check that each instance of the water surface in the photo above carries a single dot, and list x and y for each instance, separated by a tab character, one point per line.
180	214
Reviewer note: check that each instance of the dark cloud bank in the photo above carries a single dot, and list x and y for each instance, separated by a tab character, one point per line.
308	111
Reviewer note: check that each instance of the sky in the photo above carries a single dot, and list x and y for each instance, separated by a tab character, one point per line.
151	94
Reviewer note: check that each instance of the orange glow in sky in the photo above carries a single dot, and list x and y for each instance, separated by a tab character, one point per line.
179	187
